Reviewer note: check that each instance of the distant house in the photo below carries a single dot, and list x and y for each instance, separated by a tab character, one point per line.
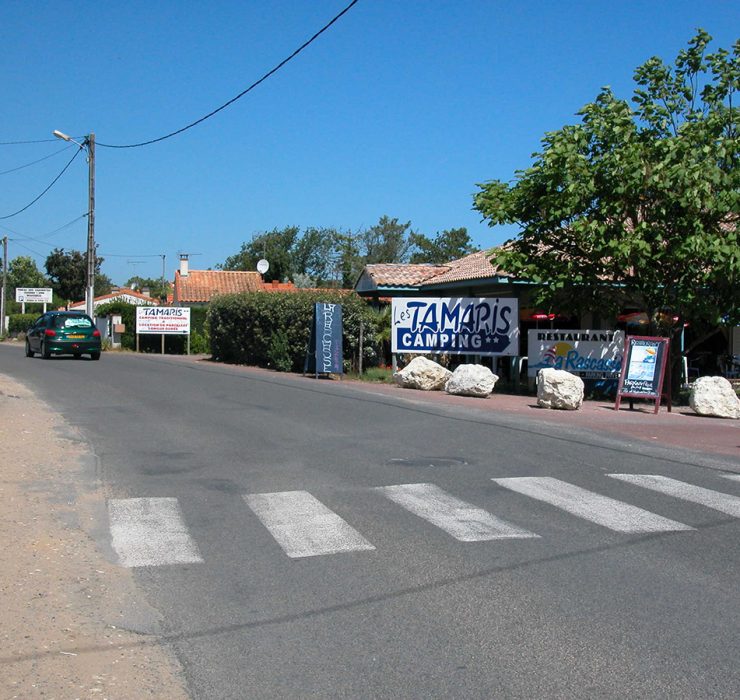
198	287
124	294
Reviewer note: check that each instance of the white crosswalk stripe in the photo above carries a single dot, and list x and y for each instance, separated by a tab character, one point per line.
588	505
723	502
465	522
150	532
303	526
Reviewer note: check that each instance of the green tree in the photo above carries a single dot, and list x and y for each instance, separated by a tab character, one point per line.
314	255
68	274
386	242
637	204
23	272
158	287
447	245
276	246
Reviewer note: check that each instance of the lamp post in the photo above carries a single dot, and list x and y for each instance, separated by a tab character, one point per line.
89	144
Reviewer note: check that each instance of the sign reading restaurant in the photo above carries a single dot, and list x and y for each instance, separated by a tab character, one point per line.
589	354
455	325
163	320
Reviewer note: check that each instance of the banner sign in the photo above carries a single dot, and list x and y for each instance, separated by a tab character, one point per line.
589	354
33	295
457	325
326	340
163	320
643	369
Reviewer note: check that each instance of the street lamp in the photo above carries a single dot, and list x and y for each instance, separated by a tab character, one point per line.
89	144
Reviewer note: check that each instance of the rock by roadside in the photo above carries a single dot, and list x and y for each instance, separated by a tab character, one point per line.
66	611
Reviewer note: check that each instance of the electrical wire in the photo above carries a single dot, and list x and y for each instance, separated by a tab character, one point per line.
19	143
43	237
53	182
241	94
28	165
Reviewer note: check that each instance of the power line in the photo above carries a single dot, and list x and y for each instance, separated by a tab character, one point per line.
28	165
25	237
53	182
244	92
19	143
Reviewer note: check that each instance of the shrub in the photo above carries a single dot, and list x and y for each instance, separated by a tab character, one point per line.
242	327
20	323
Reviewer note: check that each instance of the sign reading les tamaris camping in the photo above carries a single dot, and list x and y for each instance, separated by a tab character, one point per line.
458	325
643	369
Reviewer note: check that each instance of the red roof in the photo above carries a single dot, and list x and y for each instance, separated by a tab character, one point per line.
200	286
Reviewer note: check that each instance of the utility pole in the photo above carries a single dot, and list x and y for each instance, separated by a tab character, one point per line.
89	144
2	291
90	295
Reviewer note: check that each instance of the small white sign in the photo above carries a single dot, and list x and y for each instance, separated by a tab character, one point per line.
163	320
33	295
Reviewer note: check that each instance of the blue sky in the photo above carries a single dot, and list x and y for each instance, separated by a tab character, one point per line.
399	109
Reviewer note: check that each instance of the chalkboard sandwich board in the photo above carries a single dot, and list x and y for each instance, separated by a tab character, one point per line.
643	370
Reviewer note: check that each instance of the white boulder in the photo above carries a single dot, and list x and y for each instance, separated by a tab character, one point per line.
471	380
422	374
557	388
714	396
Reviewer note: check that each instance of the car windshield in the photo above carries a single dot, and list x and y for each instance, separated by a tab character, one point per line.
72	322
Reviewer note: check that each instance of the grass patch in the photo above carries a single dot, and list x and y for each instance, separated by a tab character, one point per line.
384	375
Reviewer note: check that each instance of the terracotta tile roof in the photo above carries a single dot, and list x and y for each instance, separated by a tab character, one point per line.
402	274
472	267
276	286
129	295
202	285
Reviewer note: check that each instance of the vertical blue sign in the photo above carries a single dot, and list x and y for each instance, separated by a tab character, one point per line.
327	333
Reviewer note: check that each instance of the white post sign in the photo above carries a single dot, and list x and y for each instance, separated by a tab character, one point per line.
33	295
163	320
589	354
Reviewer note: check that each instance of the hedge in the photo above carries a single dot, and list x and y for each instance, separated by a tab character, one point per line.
20	323
272	329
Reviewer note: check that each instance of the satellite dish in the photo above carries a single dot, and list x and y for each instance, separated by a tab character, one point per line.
263	266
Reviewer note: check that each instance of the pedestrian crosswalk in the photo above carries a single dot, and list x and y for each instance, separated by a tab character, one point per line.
149	532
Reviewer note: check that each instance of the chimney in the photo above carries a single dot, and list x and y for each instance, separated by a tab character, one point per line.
184	265
146	291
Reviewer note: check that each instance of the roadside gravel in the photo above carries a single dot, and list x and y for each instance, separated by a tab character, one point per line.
67	613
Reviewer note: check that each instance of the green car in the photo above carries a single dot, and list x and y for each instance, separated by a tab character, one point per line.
63	333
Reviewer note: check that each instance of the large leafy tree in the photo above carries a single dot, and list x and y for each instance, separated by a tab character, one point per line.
315	255
386	242
158	287
447	245
68	274
636	203
276	246
23	272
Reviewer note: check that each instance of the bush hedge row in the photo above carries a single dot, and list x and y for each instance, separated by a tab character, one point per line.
20	323
273	329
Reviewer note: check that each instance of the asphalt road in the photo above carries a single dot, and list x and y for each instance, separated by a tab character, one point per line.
282	568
